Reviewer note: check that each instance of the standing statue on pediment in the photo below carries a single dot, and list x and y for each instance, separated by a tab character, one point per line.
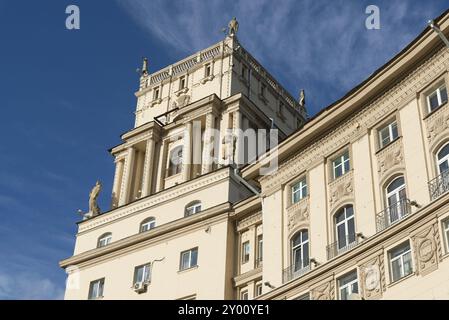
94	209
233	27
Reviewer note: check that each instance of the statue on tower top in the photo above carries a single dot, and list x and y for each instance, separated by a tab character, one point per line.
94	210
145	67
233	27
302	98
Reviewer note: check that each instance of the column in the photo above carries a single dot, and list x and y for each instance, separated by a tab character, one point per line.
208	148
117	182
136	191
148	168
223	153
162	166
239	134
127	177
187	152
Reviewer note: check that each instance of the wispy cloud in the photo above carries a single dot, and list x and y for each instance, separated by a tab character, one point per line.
321	46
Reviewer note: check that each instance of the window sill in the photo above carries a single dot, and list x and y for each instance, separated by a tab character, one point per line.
388	144
155	102
181	91
434	110
188	269
209	78
391	284
335	180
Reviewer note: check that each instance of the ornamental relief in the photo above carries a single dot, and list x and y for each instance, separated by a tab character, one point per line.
390	157
437	123
372	278
324	292
297	213
341	189
426	250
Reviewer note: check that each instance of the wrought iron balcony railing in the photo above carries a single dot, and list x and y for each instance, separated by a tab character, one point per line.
343	245
294	272
393	214
439	185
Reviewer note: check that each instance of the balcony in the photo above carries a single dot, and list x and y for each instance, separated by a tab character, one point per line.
339	247
439	185
393	214
294	272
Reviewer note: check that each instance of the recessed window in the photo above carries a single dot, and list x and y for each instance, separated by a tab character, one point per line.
245	252
259	249
142	274
175	161
388	133
193	208
437	98
263	89
348	284
258	289
340	165
396	200
207	70
104	240
156	93
244	295
244	73
182	82
443	159
147	224
345	227
281	109
300	250
96	289
189	259
400	261
299	190
446	233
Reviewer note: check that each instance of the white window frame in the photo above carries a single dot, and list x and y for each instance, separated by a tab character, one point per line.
445	225
437	91
148	224
347	287
391	137
342	163
189	253
99	284
258	289
146	273
244	295
208	70
301	188
300	246
156	93
181	80
345	221
400	257
396	193
443	159
104	240
260	247
193	209
246	249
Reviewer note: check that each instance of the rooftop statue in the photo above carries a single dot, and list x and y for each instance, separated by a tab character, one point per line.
94	210
233	27
302	98
145	67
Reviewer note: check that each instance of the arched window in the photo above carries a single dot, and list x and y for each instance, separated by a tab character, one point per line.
147	224
345	227
300	250
192	208
175	165
396	199
443	159
104	239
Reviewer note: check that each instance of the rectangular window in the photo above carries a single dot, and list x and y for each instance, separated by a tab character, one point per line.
142	273
156	93
245	252
263	88
96	289
446	233
188	259
207	70
281	109
182	82
244	72
258	291
340	165
388	134
400	261
244	295
259	249
299	190
437	98
348	284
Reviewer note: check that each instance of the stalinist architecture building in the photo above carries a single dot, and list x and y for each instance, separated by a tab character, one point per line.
225	189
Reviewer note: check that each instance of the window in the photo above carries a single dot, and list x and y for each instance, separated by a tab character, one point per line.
443	159
175	165
300	250
401	261
207	70
156	93
345	227
147	224
446	233
189	259
437	98
388	134
281	109
182	82
193	208
263	88
244	72
305	296
340	165
245	252
142	273
244	295
96	289
299	190
348	285
396	199
258	290
104	240
259	249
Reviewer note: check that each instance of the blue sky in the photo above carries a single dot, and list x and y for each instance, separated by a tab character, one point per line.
66	96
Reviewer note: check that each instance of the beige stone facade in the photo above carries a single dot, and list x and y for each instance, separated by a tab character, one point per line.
358	207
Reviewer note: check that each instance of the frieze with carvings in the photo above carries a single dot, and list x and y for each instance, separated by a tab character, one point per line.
437	123
426	250
324	292
390	157
341	189
249	221
298	213
372	278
